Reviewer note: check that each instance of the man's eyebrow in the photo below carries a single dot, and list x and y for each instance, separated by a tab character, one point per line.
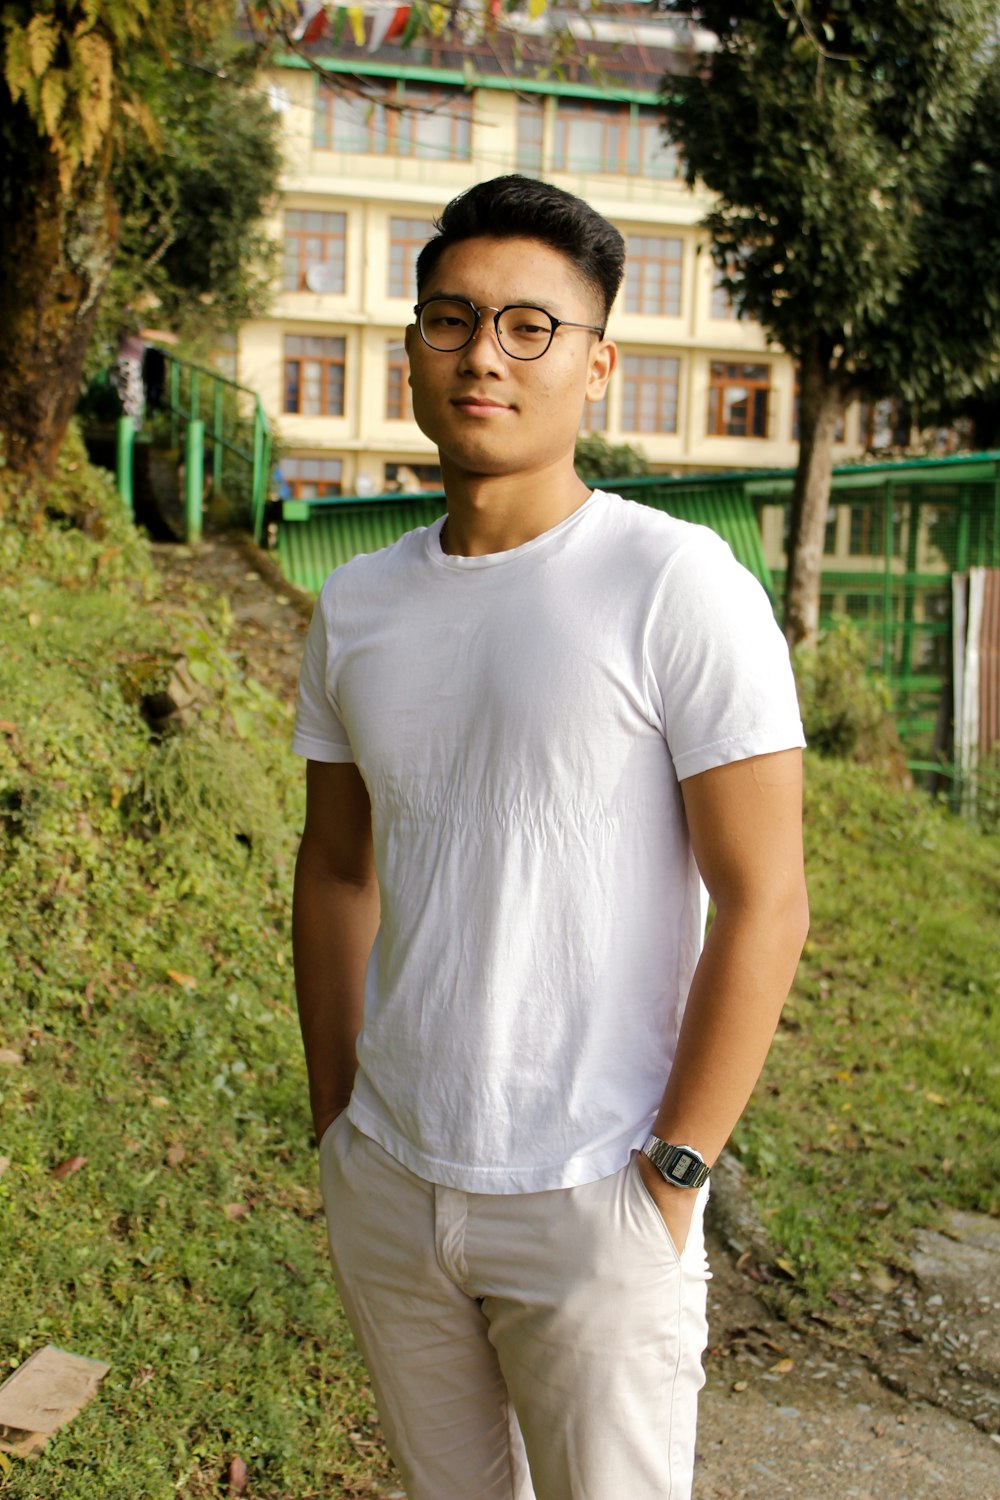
510	302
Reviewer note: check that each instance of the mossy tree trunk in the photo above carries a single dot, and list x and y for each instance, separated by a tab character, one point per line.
822	398
56	250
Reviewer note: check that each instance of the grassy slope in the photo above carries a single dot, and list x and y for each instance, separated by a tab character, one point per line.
878	1106
144	979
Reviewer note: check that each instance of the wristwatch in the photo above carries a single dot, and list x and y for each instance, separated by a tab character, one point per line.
681	1165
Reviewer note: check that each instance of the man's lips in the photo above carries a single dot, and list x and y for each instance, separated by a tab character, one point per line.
479	403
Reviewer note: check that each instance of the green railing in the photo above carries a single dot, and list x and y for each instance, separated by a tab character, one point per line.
216	415
896	534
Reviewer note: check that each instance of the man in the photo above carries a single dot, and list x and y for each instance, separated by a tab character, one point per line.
529	727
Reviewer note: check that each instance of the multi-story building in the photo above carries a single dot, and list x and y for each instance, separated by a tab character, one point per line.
376	142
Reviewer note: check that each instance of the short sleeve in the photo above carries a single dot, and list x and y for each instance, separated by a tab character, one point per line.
319	731
718	676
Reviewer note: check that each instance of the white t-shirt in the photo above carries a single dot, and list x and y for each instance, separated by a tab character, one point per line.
522	722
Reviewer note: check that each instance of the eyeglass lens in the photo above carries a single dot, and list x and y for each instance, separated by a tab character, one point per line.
524	332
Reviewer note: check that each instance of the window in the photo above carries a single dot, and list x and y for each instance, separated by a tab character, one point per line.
397	386
407	237
530	131
595	416
311	478
737	400
314	375
620	138
653	279
412	478
884	424
435	125
649	393
314	251
721	305
656	156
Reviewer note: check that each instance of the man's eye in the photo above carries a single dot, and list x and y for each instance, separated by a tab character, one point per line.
530	329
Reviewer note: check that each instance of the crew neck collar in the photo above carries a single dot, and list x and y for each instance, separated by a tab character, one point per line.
552	537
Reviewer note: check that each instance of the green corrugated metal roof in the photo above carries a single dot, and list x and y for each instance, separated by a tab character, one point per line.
342	526
310	550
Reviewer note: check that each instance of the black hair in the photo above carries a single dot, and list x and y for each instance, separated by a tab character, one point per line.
516	207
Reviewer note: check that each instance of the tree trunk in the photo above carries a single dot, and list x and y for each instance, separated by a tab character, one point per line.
821	404
56	250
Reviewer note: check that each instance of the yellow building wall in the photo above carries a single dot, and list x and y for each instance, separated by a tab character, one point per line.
371	189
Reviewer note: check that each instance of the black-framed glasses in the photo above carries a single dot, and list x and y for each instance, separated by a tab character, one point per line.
447	324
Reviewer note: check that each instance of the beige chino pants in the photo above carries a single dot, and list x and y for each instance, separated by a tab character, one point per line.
534	1346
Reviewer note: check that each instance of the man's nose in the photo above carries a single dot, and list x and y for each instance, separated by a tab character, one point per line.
484	343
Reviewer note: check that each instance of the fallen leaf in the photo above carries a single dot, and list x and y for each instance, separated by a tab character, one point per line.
11	1058
783	1367
785	1265
237	1476
740	1385
933	1098
186	981
4	1164
175	1155
69	1167
7	726
236	1210
34	619
158	1101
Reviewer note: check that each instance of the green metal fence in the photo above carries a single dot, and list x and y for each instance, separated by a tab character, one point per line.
221	422
895	535
315	536
228	422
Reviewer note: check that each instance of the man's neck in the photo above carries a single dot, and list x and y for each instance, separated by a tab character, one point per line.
493	513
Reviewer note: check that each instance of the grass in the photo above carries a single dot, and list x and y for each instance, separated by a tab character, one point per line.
145	987
877	1110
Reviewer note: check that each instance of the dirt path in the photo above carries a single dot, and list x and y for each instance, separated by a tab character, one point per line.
786	1415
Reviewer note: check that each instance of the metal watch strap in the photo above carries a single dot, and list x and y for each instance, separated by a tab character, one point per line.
681	1165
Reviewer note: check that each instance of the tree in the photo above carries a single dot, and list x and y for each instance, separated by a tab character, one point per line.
828	129
191	241
72	72
596	458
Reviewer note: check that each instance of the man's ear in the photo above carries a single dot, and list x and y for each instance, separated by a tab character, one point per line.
603	359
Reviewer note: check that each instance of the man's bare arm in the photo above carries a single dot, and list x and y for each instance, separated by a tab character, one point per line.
334	919
745	822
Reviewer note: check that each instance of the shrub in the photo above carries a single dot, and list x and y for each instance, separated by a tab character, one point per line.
845	707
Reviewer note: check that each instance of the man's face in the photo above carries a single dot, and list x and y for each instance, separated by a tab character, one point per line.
487	412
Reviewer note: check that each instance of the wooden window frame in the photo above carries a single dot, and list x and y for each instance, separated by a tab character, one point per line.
328	362
409	243
294	280
595	415
724	375
636	378
626	129
398	396
325	484
390	125
649	287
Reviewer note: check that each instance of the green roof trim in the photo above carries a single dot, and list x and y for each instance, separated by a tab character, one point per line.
468	80
338	527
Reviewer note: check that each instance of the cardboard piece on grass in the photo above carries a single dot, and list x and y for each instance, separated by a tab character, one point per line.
42	1395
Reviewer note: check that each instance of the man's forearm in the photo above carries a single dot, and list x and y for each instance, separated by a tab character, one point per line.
739	987
333	927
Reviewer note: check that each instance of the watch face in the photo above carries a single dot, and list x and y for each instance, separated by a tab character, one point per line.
682	1165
